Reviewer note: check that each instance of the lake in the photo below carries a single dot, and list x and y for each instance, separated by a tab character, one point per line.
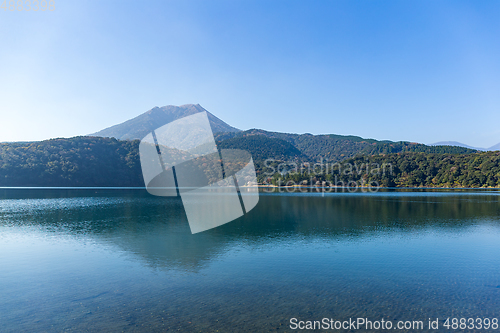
122	260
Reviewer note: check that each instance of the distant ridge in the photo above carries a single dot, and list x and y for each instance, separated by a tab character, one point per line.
459	144
140	126
495	147
456	144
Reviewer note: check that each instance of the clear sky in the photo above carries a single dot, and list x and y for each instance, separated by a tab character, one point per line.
422	71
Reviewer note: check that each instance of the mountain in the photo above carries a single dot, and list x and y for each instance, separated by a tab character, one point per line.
495	147
332	147
459	144
141	125
111	157
456	144
283	146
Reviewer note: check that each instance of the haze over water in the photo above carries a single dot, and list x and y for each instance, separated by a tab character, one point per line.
122	260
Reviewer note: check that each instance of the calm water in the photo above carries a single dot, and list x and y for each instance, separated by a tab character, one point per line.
121	260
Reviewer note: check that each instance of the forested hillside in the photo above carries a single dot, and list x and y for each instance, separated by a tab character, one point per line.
335	148
94	161
262	148
407	170
79	161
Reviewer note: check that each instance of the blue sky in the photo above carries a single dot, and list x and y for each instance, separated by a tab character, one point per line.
422	71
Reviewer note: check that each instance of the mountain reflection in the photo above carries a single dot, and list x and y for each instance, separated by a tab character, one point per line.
155	230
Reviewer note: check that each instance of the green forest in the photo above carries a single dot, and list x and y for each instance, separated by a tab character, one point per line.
330	147
100	162
79	161
395	170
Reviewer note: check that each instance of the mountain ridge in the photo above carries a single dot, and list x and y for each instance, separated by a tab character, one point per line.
495	147
459	144
275	145
111	161
333	147
140	126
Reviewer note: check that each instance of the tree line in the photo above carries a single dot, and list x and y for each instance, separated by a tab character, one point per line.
395	170
96	161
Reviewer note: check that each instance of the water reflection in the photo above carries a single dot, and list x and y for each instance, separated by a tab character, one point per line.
109	260
156	231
